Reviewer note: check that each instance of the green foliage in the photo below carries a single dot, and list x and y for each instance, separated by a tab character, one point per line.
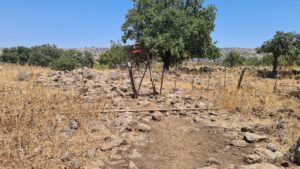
253	61
65	63
169	29
233	58
18	55
46	55
266	60
115	56
298	61
85	59
284	47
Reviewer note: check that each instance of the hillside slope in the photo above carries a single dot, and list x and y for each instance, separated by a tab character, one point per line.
245	52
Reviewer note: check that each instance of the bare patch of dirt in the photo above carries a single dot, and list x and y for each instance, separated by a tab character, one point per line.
178	144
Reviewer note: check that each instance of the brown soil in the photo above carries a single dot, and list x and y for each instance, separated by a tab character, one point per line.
176	143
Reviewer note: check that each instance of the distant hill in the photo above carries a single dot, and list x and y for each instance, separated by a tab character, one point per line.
245	52
96	52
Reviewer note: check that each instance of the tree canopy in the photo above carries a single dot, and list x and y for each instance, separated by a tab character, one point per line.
47	56
282	44
172	28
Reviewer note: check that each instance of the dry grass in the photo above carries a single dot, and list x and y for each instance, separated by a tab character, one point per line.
27	112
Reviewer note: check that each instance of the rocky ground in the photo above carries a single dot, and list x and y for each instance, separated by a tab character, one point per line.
55	119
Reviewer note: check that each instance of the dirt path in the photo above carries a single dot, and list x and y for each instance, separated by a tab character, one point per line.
178	144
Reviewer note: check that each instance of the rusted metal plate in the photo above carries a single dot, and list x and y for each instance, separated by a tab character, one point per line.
136	51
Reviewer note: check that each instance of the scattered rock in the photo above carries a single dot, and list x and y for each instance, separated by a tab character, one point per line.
258	166
197	119
209	167
157	116
66	157
253	158
96	126
201	105
115	154
144	103
135	154
239	143
91	153
97	164
268	155
147	119
271	147
123	121
76	164
213	161
143	127
252	138
132	165
114	76
74	124
255	128
113	143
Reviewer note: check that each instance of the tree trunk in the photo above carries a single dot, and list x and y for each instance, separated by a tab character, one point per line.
167	60
166	67
162	80
151	76
275	65
138	92
135	94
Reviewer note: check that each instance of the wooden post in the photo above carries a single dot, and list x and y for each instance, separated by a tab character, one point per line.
241	77
151	76
142	78
135	95
225	77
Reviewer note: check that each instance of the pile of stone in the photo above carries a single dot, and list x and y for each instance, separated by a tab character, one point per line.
88	83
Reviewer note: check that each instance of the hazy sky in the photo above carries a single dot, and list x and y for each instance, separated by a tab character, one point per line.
86	23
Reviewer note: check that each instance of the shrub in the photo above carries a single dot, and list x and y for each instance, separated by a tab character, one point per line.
65	63
86	60
115	56
253	61
44	55
18	55
233	59
298	61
